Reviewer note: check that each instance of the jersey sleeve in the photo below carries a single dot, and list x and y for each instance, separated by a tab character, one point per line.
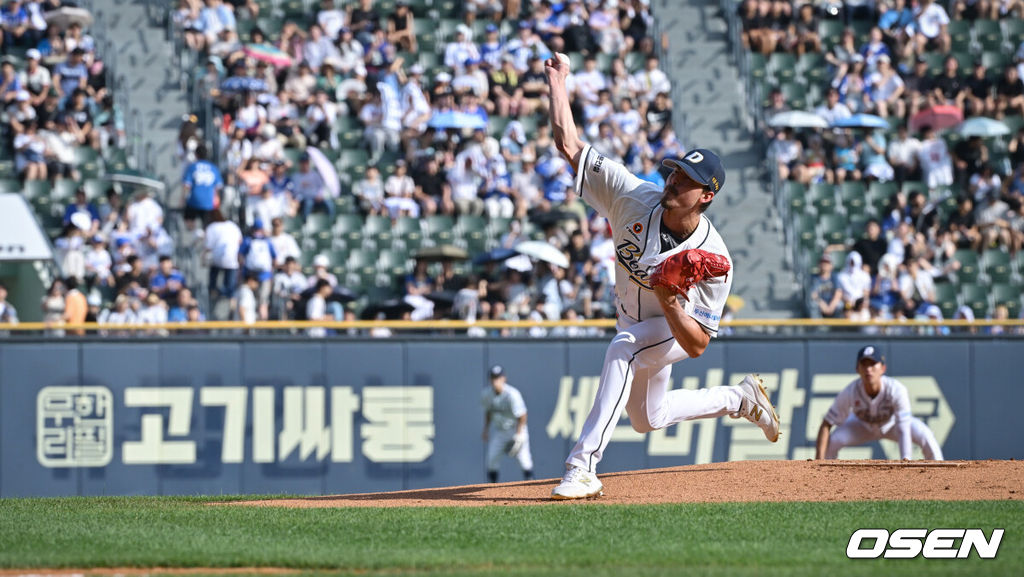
901	401
599	180
518	405
840	409
706	302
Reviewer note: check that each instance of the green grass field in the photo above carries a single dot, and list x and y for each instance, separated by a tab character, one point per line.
568	539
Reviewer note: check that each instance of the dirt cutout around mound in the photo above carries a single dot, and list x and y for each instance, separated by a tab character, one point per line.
740	481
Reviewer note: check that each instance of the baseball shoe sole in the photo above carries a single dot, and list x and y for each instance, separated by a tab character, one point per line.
757	408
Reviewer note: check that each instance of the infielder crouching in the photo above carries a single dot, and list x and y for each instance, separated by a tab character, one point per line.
871	408
505	410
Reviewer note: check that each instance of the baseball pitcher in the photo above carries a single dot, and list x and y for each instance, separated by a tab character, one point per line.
871	408
505	429
672	280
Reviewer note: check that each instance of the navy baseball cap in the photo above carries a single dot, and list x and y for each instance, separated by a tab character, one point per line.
703	166
496	371
870	352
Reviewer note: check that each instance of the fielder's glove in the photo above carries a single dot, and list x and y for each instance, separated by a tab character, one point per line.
517	444
684	269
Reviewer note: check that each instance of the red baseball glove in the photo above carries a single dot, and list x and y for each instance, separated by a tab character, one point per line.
684	269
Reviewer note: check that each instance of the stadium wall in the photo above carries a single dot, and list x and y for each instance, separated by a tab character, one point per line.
112	417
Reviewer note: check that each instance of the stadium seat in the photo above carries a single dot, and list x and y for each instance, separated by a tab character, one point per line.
1013	31
988	35
854	196
968	259
34	188
830	32
782	67
960	34
833	228
1007	295
393	262
10	185
795	94
935	62
995	62
996	266
976	298
812	67
823	197
795	196
407	233
945	298
63	190
806	235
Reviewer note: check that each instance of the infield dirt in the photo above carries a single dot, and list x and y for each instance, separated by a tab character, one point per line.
739	481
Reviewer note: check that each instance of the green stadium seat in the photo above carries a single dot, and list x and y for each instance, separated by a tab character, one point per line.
830	32
969	268
960	34
376	224
795	194
1013	31
822	196
757	65
498	227
988	34
976	298
635	61
1007	295
35	188
996	266
360	257
87	161
995	62
782	67
806	235
795	94
945	298
854	196
833	228
911	186
317	222
63	190
10	185
812	67
935	62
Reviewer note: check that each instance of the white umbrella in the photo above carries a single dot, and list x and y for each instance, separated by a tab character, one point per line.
63	17
544	251
798	119
326	169
984	127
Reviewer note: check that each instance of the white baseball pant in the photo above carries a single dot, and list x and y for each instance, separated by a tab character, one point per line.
636	372
856	432
498	445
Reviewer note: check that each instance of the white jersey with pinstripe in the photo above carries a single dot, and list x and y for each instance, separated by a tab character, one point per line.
633	209
892	403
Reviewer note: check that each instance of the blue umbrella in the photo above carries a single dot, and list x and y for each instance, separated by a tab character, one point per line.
455	119
496	255
237	84
861	121
984	127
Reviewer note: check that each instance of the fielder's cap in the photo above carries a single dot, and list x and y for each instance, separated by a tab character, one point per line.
703	166
321	260
870	352
496	371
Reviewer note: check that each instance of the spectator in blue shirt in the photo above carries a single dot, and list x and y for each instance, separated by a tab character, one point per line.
202	182
168	281
15	24
650	172
81	204
71	74
280	181
258	256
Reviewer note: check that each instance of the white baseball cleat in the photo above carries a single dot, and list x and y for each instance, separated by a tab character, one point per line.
578	483
757	408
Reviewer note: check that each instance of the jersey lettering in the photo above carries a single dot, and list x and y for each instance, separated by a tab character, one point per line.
628	255
597	165
695	156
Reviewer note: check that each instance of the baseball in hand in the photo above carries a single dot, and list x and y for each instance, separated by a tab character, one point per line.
563	58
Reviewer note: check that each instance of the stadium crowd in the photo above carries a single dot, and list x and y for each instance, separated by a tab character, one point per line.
907	190
392	113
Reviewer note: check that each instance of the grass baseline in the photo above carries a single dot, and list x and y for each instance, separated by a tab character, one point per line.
575	539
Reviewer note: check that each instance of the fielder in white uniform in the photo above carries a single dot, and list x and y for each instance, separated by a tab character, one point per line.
871	408
655	328
505	429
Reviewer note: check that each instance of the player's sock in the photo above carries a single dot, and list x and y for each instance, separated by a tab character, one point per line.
527	475
492	476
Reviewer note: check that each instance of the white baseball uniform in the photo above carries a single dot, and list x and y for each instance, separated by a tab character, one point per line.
505	410
638	362
860	419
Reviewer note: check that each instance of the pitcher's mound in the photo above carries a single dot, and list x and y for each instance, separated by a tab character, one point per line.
740	481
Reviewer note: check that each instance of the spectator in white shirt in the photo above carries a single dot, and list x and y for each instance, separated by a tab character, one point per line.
902	154
246	311
934	159
144	213
853	280
651	80
330	19
589	81
370	192
462	49
289	284
929	31
284	244
311	191
316	307
223	239
399	189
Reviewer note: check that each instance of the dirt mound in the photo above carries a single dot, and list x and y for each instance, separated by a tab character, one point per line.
741	481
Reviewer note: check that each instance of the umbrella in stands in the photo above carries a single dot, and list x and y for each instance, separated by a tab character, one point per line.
983	127
861	121
544	251
455	119
326	169
496	255
63	17
237	84
797	119
938	117
441	252
392	309
268	53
